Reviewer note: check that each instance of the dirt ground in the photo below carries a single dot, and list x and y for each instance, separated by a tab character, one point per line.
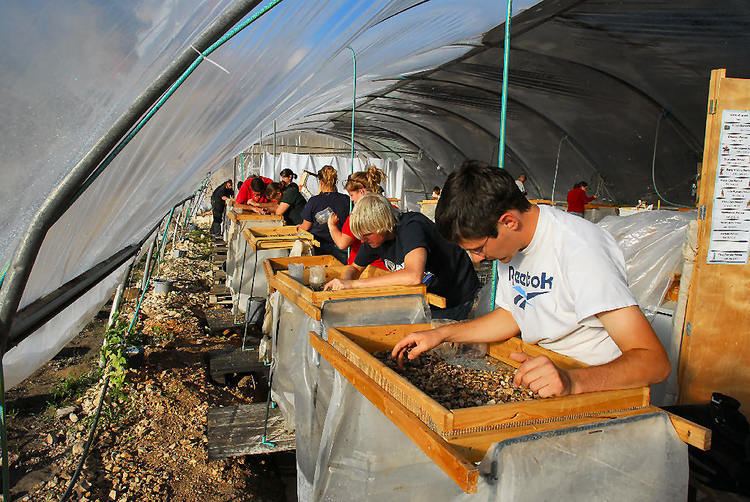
151	439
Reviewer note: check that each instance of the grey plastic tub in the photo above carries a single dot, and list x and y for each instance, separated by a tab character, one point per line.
162	286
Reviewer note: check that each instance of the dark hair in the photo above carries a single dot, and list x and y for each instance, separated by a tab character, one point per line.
473	199
258	185
287	172
239	184
436	189
580	184
274	190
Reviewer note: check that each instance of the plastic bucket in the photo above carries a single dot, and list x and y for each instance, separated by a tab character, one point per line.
162	286
134	356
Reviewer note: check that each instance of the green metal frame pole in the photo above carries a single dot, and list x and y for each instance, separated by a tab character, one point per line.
354	102
354	109
160	253
4	435
503	118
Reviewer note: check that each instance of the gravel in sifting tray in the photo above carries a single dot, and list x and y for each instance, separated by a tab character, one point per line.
459	382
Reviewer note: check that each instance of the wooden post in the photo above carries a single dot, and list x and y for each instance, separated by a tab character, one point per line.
716	339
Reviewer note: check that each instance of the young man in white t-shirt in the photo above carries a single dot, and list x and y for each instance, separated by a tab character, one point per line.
561	284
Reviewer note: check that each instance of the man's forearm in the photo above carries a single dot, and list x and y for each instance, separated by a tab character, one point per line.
634	368
496	326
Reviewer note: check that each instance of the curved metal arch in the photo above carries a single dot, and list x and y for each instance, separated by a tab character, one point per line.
420	126
518	157
343	137
678	125
406	162
574	144
492	135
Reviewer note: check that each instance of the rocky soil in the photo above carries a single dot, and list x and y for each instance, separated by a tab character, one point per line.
151	439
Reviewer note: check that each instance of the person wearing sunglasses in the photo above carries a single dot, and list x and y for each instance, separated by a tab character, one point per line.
561	284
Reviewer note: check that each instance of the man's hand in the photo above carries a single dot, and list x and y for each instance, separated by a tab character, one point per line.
540	375
333	220
419	342
337	285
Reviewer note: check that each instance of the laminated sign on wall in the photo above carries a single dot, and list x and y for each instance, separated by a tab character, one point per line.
730	225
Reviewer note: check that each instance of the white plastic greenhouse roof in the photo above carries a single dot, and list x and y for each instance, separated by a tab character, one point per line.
591	79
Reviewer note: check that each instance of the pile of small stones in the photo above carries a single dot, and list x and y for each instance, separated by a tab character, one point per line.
456	386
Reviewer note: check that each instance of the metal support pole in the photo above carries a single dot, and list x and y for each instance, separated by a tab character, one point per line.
149	254
118	296
163	244
273	170
503	118
354	103
504	101
557	165
177	225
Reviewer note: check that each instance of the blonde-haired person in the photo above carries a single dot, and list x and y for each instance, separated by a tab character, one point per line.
414	251
328	198
357	185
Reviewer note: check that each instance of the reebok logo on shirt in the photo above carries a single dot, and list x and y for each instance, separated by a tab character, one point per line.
521	283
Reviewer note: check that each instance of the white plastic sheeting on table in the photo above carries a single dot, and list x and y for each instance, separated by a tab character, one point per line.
651	242
346	446
244	266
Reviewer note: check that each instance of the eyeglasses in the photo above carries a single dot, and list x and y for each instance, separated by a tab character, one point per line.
480	250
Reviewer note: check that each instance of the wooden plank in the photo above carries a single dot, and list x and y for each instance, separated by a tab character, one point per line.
293	296
413	399
250	216
282	237
502	350
235	431
716	340
356	344
234	361
219	320
691	433
460	470
437	301
591	403
474	446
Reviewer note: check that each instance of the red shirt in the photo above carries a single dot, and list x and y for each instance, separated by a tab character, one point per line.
577	200
354	248
246	193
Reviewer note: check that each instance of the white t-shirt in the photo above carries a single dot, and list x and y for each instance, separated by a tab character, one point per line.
520	186
571	271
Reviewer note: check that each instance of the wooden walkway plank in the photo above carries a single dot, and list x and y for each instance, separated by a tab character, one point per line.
235	431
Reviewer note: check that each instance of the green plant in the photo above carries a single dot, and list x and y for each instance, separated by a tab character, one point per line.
112	355
73	386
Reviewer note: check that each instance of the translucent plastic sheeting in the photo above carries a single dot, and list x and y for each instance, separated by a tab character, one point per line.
91	61
23	360
362	452
652	244
639	458
244	266
316	377
289	335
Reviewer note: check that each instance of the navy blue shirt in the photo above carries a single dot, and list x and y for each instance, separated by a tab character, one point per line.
338	202
454	275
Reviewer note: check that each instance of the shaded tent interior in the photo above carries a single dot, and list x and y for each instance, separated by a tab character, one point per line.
595	80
